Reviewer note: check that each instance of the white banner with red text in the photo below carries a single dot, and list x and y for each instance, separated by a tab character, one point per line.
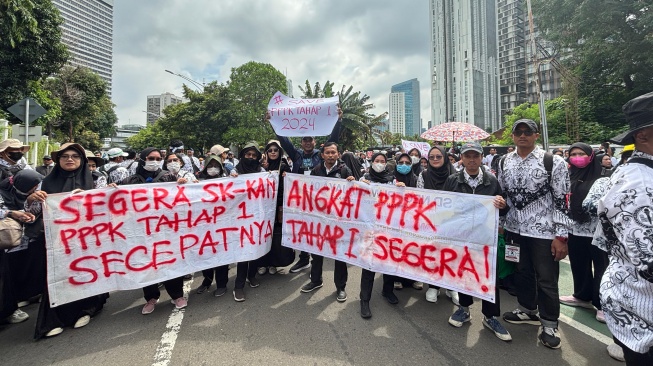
137	235
441	238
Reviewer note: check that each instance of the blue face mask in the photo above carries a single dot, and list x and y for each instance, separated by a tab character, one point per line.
403	169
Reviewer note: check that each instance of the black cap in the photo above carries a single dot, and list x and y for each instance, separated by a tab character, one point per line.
528	122
639	114
471	146
47	157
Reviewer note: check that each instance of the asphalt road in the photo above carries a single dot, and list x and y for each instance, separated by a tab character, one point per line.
278	325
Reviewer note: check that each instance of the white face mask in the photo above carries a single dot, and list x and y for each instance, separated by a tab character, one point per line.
414	160
174	167
212	171
378	167
151	166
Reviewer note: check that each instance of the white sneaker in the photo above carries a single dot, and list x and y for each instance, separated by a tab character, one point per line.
82	321
18	316
418	285
54	332
453	295
398	285
616	352
432	295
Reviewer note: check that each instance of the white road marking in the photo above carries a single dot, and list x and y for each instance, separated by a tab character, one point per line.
163	353
587	330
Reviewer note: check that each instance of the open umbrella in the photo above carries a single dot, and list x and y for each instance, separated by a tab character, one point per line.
455	131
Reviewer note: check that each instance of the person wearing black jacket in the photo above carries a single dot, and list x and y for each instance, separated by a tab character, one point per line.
330	168
477	179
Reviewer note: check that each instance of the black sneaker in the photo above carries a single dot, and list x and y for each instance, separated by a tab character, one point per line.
549	337
188	277
202	289
341	296
366	313
253	282
239	295
219	291
391	297
311	286
519	317
300	266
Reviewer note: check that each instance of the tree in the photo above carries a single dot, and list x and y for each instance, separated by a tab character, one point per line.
151	136
86	111
30	46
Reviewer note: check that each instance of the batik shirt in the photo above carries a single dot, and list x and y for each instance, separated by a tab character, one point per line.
537	210
627	285
116	175
590	205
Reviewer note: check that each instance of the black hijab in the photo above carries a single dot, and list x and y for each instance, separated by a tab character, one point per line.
434	178
247	166
140	169
410	179
385	176
279	164
60	180
12	189
416	168
353	164
582	180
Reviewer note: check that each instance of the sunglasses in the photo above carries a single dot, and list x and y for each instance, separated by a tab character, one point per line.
523	132
153	159
435	157
273	150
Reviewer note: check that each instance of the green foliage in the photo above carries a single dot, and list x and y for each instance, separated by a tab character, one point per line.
30	46
151	136
86	111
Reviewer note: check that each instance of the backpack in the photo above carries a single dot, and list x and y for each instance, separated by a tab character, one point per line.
155	179
107	173
548	165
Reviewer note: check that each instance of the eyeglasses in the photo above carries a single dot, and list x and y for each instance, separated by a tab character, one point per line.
523	132
173	160
435	157
149	158
273	150
404	163
68	157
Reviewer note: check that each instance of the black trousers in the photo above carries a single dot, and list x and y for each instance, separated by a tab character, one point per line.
340	273
489	309
244	270
633	358
175	288
221	275
582	256
304	256
537	278
367	283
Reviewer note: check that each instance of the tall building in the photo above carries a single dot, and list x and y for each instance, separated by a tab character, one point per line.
512	53
464	62
412	119
157	103
397	113
88	33
291	92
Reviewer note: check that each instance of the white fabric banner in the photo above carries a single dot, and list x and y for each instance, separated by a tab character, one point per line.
302	117
442	238
423	147
136	235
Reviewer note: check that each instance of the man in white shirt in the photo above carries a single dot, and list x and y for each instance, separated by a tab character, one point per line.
487	160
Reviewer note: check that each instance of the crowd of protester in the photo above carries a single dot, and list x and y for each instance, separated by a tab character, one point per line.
581	201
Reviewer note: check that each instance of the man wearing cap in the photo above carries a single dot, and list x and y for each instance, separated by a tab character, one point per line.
221	152
11	158
114	171
536	184
47	166
475	178
304	159
626	226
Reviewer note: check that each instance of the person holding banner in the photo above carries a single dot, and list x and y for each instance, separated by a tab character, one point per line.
174	163
477	179
303	160
434	177
379	174
148	171
250	162
330	168
71	174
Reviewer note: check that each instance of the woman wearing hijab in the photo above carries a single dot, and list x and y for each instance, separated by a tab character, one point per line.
70	174
353	164
437	172
276	163
149	171
174	163
583	256
22	269
213	169
415	157
380	174
249	163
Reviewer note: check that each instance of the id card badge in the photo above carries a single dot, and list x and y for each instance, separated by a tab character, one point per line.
512	252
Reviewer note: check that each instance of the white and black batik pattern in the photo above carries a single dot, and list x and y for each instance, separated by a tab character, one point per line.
473	182
626	224
537	209
591	204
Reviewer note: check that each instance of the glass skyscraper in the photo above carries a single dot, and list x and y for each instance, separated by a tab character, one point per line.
411	106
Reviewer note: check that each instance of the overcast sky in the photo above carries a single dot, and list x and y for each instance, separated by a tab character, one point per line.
371	44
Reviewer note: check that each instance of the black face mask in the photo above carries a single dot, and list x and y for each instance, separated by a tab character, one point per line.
15	155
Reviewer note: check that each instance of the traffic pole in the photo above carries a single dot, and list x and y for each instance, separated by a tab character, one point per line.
27	121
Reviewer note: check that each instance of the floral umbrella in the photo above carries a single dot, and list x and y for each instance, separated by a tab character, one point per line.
455	131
